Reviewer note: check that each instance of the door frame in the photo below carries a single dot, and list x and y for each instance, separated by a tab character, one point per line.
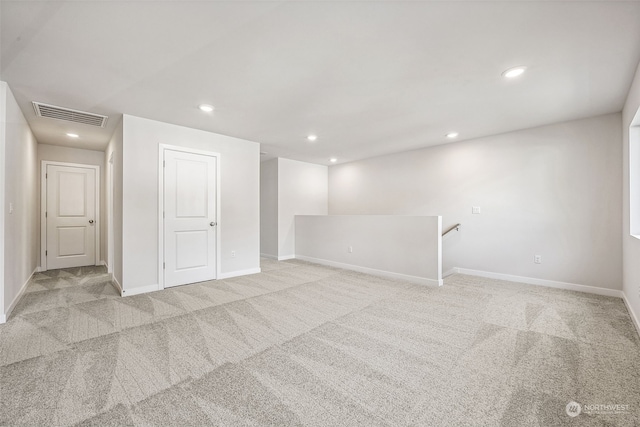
43	208
110	233
161	149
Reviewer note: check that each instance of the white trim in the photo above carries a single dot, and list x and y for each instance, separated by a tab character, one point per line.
632	314
15	301
542	282
373	271
110	232
116	284
140	290
239	273
43	208
268	256
286	257
161	150
104	263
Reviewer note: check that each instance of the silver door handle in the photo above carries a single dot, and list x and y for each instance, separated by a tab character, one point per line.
90	221
213	224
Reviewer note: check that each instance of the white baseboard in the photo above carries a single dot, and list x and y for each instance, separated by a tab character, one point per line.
278	258
542	282
115	283
373	271
632	313
23	288
238	273
139	290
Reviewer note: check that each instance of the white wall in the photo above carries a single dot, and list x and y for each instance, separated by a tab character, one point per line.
631	245
114	150
302	190
75	155
20	241
402	247
3	131
239	222
269	208
553	191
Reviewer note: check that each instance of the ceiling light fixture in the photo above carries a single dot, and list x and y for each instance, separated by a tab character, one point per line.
514	72
312	137
333	160
73	135
206	108
452	135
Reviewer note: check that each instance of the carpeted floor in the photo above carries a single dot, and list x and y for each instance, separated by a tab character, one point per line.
303	344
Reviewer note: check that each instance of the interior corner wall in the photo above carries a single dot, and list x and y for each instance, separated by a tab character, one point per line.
302	190
75	155
269	208
19	202
239	222
114	148
630	244
553	191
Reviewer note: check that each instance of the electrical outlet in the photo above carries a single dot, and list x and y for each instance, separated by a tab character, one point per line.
475	210
537	259
350	249
10	207
233	254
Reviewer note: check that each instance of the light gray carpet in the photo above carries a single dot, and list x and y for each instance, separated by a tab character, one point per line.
302	344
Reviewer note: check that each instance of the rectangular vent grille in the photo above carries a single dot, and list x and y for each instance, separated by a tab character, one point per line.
69	115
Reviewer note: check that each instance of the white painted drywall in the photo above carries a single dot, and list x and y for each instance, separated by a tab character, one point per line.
239	222
85	157
269	208
115	148
553	190
630	245
20	182
3	129
302	190
406	247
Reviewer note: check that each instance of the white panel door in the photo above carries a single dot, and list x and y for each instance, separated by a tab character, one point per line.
70	216
189	217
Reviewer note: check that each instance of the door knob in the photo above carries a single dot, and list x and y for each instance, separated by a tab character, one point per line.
212	223
90	221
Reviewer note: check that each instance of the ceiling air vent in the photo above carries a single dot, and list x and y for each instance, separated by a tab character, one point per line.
69	115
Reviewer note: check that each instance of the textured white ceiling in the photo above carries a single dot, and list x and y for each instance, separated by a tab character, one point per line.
369	78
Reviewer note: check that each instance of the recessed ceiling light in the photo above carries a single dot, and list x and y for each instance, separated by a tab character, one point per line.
333	160
312	137
206	108
72	135
514	72
452	135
